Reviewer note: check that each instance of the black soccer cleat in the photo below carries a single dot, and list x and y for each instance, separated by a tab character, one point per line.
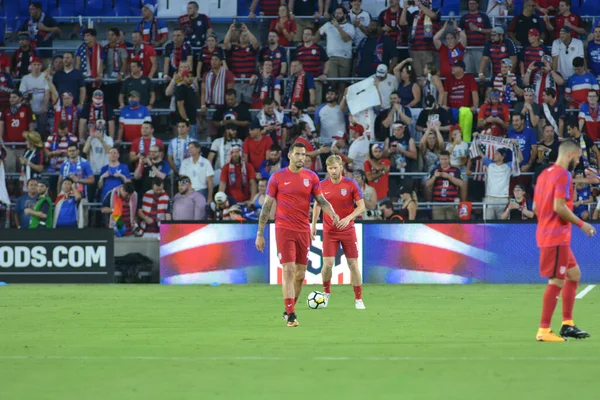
573	332
284	316
292	321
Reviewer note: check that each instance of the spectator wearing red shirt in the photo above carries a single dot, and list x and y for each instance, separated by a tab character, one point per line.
377	169
242	60
589	116
205	55
423	30
547	7
7	86
445	185
141	145
565	18
461	89
494	115
452	50
256	146
476	26
16	119
143	53
238	177
5	62
267	7
284	25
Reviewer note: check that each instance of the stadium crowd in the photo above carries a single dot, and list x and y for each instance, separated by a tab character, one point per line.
470	111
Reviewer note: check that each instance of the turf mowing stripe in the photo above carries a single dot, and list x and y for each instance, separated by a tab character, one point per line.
261	358
585	291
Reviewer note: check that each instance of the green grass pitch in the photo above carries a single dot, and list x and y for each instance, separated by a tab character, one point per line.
134	342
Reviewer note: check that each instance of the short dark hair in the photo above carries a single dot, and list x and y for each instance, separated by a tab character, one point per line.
72	144
274	31
578	62
515	114
444	153
268	101
68	52
573	123
136	62
297	145
157	181
230	92
568	145
275	147
186	122
387	204
160	148
148	123
550	92
312	31
567	2
194	4
57	56
129	188
116	31
231	126
592	91
195	144
90	31
63	125
36	4
342	8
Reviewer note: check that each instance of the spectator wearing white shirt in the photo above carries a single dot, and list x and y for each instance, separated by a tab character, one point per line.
199	170
299	115
386	83
38	92
96	149
564	51
360	20
339	33
220	149
329	117
459	150
179	146
359	149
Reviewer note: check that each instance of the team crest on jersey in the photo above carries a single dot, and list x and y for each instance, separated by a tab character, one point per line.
503	49
277	55
143	81
306	182
541	52
344	192
314	52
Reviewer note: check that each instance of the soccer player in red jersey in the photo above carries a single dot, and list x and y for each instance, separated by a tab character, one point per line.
342	193
292	188
553	204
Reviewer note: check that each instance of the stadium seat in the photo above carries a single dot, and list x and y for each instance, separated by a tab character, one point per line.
589	7
518	4
171	8
94	8
448	6
135	6
66	8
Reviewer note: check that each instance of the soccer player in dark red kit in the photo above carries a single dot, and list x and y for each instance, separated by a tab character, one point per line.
553	204
343	194
292	188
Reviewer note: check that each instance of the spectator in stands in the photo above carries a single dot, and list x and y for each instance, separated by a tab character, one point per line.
530	110
22	58
32	161
179	147
339	33
360	19
377	169
387	212
35	87
368	192
171	90
131	119
592	52
141	146
518	208
496	50
143	53
256	145
139	84
200	170
5	62
389	24
242	60
27	200
221	148
433	112
527	140
215	83
188	205
266	86
547	147
64	108
298	115
590	154
497	180
521	25
232	113
186	103
452	50
113	174
564	51
121	206
94	111
283	25
459	150
79	171
15	120
579	84
386	84
266	7
70	80
445	186
7	85
238	177
155	204
89	59
494	115
359	147
408	208
195	26
273	123
409	90
544	78
302	134
314	60
461	89
423	25
205	56
123	39
588	116
547	7
430	148
476	26
277	54
149	167
41	213
400	148
583	197
329	118
96	149
373	51
176	51
57	65
41	29
154	31
564	19
533	52
115	66
500	8
273	163
66	209
305	8
56	146
300	86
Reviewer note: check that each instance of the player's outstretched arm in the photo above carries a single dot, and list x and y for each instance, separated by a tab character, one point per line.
315	219
561	208
327	208
265	213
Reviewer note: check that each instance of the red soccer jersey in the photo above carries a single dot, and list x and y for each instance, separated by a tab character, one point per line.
381	185
448	57
459	91
554	183
342	197
293	192
239	190
574	19
16	124
256	150
143	54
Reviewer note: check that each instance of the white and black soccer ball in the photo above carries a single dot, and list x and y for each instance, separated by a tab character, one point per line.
316	300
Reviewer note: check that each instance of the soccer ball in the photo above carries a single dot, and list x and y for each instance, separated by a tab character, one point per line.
316	300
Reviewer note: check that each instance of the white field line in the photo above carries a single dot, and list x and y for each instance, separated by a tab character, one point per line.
267	358
585	291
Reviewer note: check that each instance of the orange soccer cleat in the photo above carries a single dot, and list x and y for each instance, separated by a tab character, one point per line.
546	335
